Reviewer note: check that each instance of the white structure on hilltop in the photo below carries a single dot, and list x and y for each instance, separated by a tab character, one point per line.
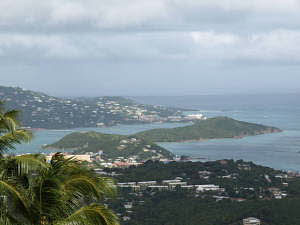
196	116
251	221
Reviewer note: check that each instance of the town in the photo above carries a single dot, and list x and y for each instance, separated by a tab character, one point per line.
43	111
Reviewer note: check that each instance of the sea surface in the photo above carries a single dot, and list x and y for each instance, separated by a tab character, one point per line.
278	150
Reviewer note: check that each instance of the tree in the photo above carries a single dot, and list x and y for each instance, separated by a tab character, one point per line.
10	131
62	192
36	192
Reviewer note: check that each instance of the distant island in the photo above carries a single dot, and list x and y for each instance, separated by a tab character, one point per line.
111	146
141	146
212	128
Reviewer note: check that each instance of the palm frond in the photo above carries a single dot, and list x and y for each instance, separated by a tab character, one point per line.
8	140
13	114
29	163
9	190
107	186
93	214
83	185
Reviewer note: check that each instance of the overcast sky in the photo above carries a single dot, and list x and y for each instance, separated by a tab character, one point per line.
150	47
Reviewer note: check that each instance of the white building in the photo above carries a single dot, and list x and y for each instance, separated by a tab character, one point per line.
146	183
159	188
251	221
171	181
196	117
208	187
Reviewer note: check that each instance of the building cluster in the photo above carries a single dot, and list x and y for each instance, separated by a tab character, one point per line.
277	193
169	185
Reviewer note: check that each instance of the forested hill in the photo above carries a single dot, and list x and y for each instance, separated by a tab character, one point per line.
143	144
112	145
213	128
40	110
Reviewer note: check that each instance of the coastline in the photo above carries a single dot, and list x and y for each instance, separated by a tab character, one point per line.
208	139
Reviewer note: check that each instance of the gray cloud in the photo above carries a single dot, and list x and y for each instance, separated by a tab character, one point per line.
128	39
204	45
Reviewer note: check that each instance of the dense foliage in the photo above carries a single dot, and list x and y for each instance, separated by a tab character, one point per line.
175	208
189	172
10	131
64	192
213	128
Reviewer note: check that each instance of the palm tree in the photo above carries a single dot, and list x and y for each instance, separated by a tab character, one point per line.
36	192
62	192
10	131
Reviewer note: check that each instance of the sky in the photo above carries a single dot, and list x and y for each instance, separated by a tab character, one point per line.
157	47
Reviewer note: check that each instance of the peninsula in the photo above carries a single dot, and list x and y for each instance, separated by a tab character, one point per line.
212	128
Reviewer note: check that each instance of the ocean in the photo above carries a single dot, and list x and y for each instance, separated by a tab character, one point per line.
278	150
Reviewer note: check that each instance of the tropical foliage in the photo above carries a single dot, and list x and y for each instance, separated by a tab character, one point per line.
10	131
62	192
36	192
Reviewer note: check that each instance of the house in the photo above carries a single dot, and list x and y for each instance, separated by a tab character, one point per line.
128	205
126	218
146	183
175	184
251	221
209	187
171	181
159	188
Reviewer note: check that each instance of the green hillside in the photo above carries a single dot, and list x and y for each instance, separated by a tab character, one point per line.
213	128
142	146
112	145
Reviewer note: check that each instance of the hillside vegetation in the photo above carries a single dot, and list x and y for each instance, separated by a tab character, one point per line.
112	145
213	128
142	145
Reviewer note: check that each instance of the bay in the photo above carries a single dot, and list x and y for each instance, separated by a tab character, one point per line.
279	150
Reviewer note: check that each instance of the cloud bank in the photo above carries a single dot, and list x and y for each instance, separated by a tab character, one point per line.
229	33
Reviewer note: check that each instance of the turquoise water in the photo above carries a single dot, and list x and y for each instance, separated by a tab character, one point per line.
279	150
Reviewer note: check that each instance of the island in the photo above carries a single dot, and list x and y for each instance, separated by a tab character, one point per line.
212	128
142	146
111	146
